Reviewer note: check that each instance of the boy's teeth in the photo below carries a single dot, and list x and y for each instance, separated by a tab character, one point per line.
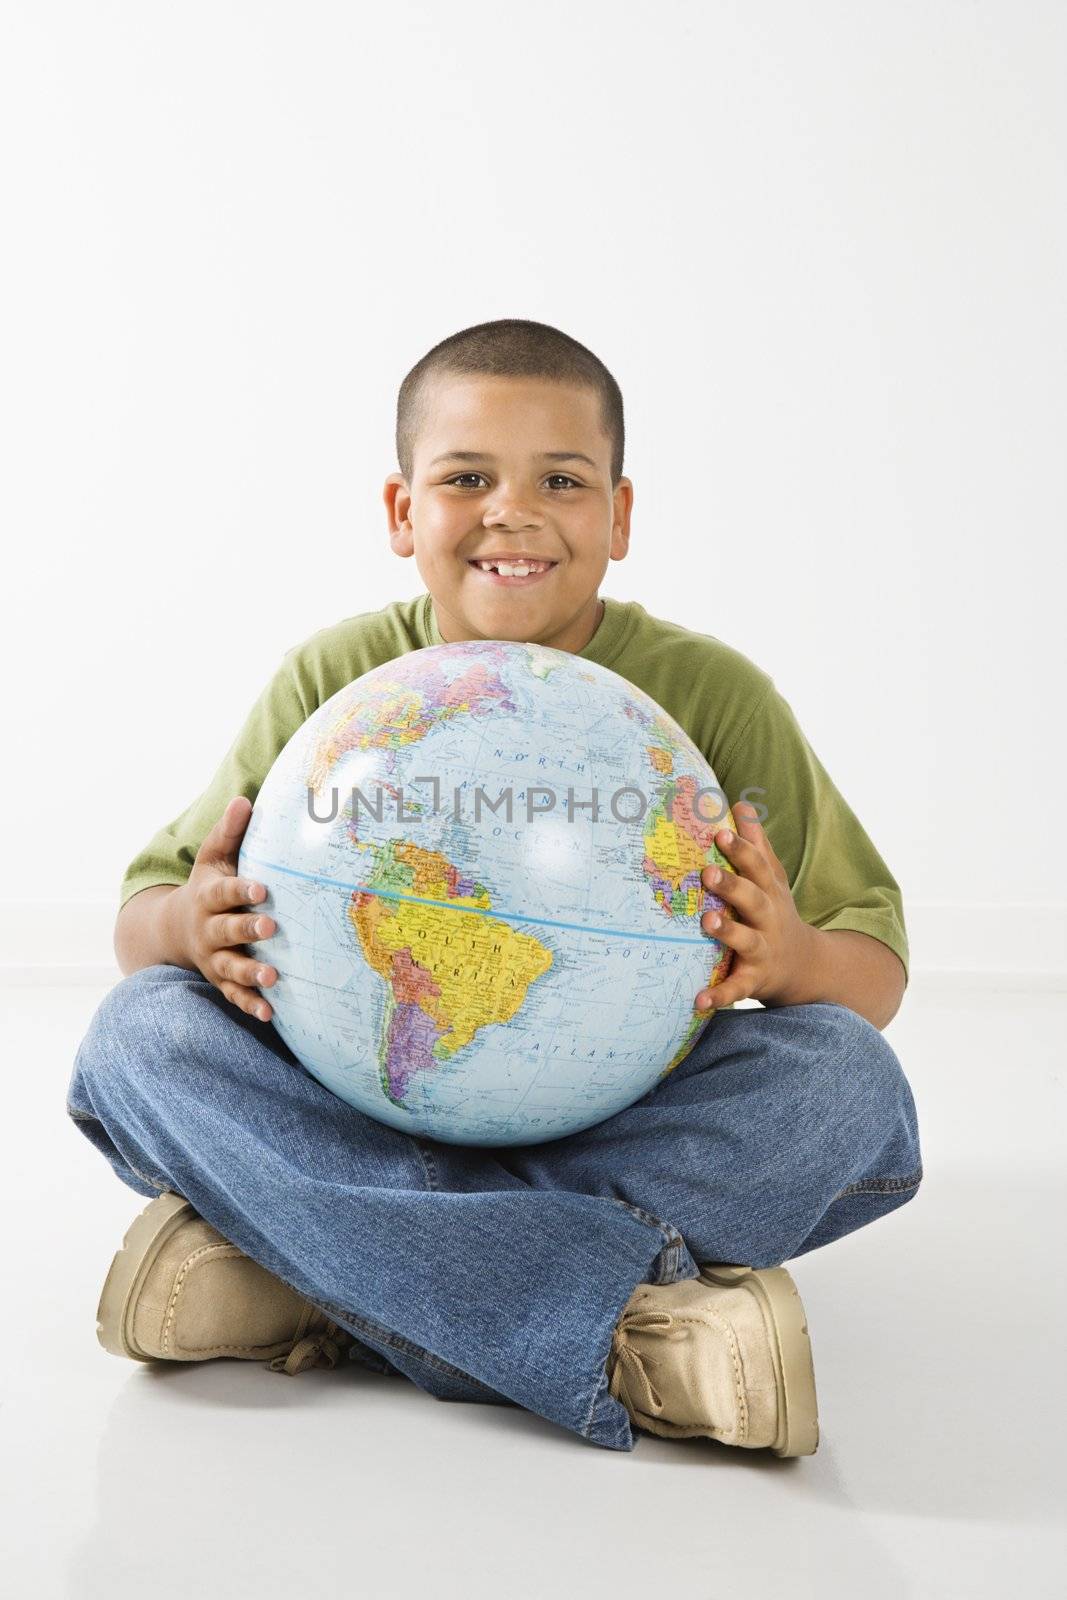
509	569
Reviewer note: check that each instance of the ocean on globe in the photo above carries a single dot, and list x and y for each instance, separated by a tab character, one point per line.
483	860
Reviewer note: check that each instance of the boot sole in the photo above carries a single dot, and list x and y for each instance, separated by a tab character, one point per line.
787	1327
141	1244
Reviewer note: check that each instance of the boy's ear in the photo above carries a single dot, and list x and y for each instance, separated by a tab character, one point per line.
620	532
397	497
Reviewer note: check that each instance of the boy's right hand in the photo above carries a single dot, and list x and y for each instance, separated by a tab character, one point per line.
208	917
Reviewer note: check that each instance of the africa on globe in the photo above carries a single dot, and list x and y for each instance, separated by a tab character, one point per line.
483	862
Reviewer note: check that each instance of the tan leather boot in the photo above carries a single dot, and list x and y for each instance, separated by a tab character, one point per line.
726	1355
179	1291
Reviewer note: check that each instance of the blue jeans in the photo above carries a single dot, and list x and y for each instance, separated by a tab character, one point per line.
497	1275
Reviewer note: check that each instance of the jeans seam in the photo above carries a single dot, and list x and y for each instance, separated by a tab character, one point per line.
882	1185
672	1239
670	1234
673	1242
433	1180
153	1183
618	1438
396	1341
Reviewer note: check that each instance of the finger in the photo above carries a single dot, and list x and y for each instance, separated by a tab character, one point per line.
241	928
745	857
727	930
756	834
751	901
242	969
222	891
726	982
246	1000
723	994
219	846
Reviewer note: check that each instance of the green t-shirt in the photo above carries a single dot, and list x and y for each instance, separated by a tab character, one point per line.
729	707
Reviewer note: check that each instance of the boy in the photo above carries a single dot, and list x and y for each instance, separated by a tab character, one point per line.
629	1275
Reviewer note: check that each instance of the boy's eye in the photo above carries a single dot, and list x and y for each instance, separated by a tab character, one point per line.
460	476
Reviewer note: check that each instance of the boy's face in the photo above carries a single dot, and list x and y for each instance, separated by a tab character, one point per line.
509	498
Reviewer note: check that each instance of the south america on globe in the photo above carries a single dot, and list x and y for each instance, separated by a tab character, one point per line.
483	861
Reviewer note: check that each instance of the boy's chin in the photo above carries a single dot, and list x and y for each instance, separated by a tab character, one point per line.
498	625
519	624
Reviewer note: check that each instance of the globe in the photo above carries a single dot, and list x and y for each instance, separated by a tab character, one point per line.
483	860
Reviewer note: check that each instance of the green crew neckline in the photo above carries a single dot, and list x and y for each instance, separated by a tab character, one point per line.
607	643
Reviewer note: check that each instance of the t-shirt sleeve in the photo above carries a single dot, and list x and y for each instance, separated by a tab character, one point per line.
837	877
281	708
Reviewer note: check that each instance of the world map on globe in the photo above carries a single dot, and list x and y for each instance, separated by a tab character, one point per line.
483	860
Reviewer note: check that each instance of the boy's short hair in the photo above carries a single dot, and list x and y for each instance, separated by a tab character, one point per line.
510	348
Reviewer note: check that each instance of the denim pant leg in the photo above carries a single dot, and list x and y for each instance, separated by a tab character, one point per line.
783	1129
469	1281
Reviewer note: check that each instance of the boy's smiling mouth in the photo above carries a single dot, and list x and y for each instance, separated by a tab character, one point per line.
513	571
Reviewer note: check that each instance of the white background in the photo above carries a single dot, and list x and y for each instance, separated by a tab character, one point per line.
820	246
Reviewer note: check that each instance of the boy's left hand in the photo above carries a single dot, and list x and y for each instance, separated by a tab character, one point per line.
770	941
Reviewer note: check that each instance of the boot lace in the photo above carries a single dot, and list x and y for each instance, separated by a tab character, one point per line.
628	1379
322	1349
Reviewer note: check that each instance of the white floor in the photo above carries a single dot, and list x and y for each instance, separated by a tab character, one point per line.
938	1335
